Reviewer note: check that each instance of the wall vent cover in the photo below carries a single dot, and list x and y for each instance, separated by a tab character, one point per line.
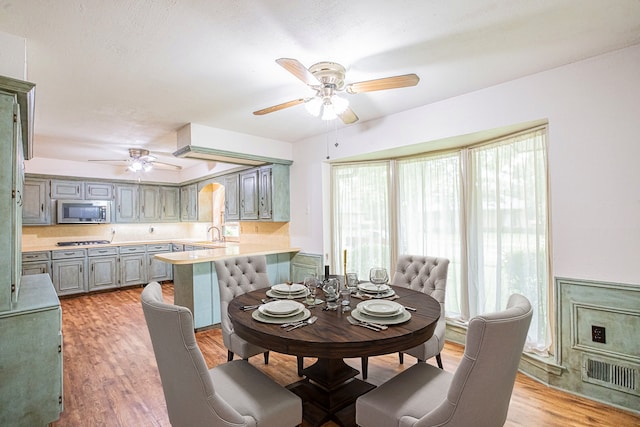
611	373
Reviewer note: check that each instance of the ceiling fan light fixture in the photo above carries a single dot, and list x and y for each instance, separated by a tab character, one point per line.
328	112
314	106
340	104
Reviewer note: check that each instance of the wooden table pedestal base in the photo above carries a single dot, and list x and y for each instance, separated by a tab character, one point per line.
329	392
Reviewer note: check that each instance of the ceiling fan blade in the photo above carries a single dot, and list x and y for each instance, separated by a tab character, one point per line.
348	116
296	68
108	160
279	106
383	84
162	165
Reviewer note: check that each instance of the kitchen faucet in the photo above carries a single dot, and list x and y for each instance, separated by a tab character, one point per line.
220	236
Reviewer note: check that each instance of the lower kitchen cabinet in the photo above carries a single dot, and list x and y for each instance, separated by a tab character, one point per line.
36	263
103	268
158	271
133	269
31	355
69	271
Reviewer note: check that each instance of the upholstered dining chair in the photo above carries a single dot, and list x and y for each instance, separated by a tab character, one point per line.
237	276
428	275
234	393
477	394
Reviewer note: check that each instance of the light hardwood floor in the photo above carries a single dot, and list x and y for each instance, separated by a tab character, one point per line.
111	378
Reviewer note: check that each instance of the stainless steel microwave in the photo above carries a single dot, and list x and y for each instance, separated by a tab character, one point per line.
84	211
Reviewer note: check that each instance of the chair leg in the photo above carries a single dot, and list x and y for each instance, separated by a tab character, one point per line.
300	365
266	357
365	367
229	356
439	360
401	357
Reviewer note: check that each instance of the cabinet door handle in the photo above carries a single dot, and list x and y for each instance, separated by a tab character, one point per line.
42	207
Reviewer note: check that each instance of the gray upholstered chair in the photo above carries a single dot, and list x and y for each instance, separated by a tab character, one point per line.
231	394
429	275
477	394
237	276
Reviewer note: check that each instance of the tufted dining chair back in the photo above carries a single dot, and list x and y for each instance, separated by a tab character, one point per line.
428	275
237	276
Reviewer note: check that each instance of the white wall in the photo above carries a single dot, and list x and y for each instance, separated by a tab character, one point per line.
13	56
593	109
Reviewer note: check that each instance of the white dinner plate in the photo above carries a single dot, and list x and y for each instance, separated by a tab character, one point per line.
393	320
379	308
283	288
273	294
281	308
370	288
386	294
304	314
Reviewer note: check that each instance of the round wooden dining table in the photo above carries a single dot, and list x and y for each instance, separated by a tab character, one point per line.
329	387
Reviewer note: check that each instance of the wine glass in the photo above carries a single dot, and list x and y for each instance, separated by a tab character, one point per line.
379	277
311	284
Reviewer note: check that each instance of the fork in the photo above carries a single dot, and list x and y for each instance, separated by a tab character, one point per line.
309	321
373	326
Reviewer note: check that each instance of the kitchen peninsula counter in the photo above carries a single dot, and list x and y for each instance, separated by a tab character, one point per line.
220	251
195	281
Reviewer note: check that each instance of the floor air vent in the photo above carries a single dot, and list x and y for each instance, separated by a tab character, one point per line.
611	373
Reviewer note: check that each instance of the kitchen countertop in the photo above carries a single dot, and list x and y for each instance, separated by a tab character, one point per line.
216	250
229	251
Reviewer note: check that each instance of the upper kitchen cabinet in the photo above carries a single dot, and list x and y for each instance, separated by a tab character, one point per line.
170	204
127	206
273	193
36	203
189	202
11	184
98	191
231	197
149	203
67	190
249	195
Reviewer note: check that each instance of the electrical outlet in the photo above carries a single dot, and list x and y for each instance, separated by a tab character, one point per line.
598	334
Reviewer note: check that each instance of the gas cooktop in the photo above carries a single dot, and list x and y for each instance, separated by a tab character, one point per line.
84	242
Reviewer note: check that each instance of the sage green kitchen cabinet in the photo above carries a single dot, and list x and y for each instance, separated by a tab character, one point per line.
133	265
69	271
231	197
273	193
158	271
31	355
36	203
36	263
30	316
249	195
103	268
67	190
170	204
189	202
10	194
149	203
127	203
98	191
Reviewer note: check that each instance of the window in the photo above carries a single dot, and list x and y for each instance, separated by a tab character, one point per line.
483	207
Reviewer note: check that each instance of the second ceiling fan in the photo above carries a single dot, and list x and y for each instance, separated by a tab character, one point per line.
328	79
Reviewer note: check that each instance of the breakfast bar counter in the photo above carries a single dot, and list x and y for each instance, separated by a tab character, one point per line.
196	282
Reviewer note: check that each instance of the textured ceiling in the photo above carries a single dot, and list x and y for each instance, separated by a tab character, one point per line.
120	73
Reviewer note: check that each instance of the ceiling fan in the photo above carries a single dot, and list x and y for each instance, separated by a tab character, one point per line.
328	79
140	160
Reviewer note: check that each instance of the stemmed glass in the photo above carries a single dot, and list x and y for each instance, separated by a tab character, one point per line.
311	283
379	277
